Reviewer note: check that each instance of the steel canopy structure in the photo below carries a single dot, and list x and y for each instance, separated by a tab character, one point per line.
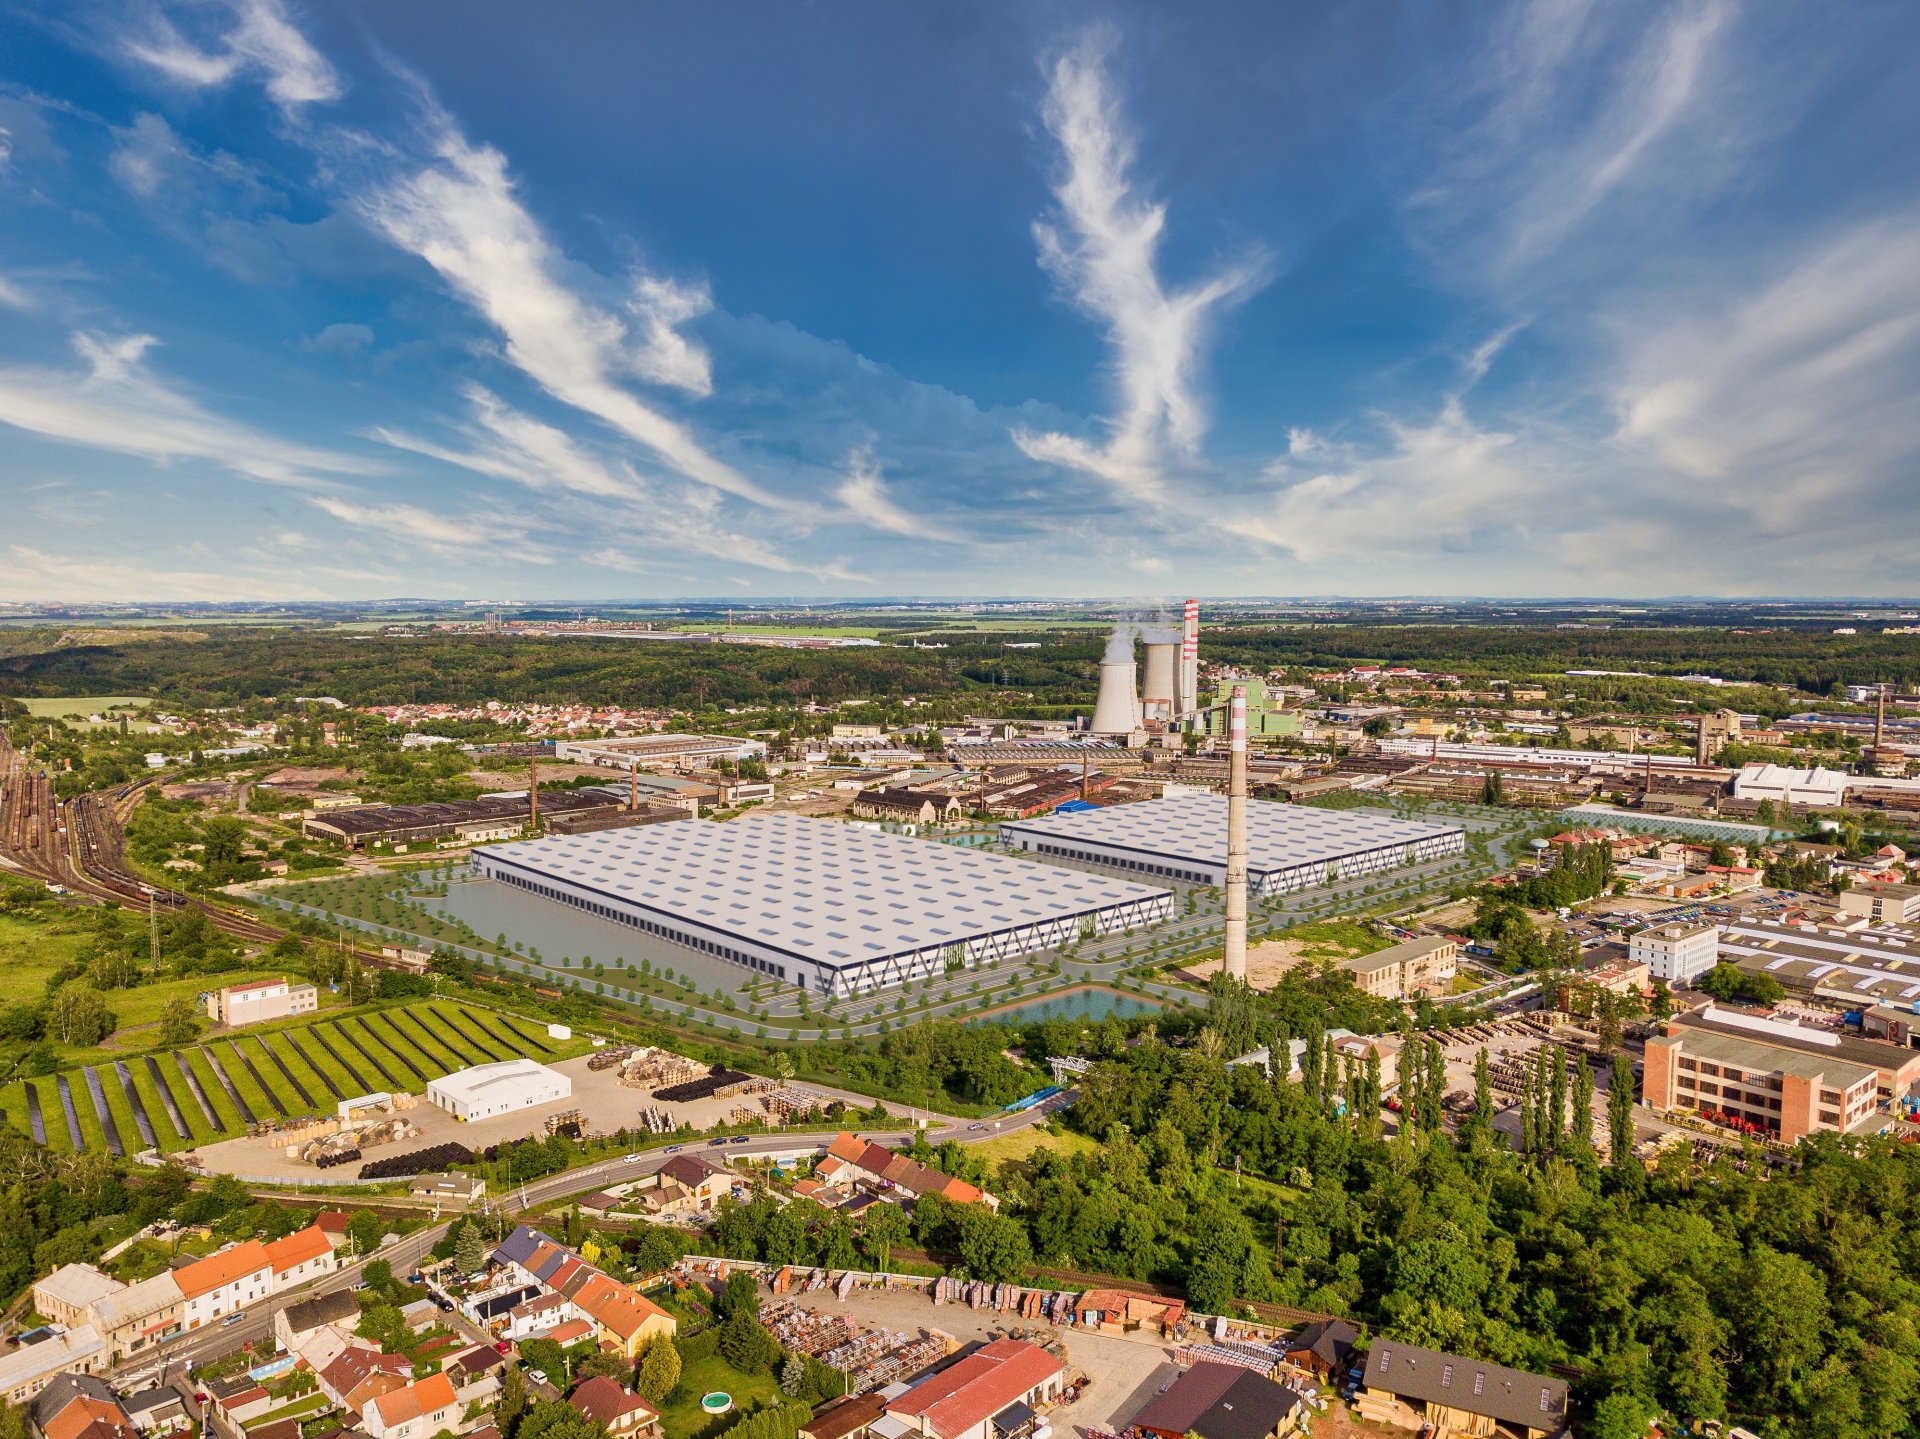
837	908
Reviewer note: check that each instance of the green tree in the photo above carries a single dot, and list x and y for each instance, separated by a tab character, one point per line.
365	1230
659	1370
79	1015
882	1227
993	1247
469	1248
546	1356
746	1345
793	1376
557	1419
741	1295
1620	1110
179	1021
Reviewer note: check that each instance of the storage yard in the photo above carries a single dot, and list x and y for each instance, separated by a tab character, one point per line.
1183	839
840	909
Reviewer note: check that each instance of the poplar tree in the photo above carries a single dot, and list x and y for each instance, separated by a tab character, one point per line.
1482	1091
1620	1110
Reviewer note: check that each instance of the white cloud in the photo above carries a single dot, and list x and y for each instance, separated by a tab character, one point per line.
1102	251
864	493
28	573
460	214
1792	400
116	403
436	529
1574	111
256	39
12	295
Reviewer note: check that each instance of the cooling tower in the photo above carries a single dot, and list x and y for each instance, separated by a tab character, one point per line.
1190	660
1162	696
1117	711
1235	956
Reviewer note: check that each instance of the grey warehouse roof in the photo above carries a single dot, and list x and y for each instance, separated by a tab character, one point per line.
1193	827
819	889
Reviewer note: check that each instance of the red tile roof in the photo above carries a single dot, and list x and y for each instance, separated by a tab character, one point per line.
298	1248
978	1387
605	1401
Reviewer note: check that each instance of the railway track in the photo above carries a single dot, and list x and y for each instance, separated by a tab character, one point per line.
79	844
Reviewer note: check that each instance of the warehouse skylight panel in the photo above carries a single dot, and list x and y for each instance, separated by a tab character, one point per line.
839	908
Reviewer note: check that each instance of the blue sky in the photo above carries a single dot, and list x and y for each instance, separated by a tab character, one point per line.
593	300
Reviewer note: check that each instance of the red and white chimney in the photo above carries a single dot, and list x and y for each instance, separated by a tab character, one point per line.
1190	659
1235	957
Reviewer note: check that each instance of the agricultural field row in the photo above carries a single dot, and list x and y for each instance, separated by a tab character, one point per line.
237	1081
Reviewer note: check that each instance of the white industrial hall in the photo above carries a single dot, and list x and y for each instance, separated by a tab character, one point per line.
837	908
1184	838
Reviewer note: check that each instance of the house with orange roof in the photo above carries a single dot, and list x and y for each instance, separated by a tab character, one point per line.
224	1282
852	1160
421	1409
621	1315
300	1256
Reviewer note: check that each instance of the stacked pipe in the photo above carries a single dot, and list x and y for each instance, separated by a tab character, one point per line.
1236	948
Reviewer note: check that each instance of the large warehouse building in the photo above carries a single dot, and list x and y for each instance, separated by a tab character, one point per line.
838	908
1184	838
485	1090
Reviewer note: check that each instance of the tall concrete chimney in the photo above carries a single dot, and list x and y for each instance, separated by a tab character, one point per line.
1236	950
1879	716
533	792
1190	660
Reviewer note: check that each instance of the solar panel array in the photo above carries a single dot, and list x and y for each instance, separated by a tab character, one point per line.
822	890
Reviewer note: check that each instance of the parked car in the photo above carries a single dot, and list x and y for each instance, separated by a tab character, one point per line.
738	1139
538	1376
671	1149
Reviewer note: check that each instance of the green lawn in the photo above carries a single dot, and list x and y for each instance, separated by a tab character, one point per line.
681	1417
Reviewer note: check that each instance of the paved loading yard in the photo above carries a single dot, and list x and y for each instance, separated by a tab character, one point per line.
1126	1372
607	1104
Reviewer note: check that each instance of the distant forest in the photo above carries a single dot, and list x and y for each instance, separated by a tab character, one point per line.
234	665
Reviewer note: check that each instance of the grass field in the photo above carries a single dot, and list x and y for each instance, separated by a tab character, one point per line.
75	709
277	1072
1020	1146
35	948
681	1417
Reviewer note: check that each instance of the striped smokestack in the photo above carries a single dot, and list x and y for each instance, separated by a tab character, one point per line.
1190	660
1236	950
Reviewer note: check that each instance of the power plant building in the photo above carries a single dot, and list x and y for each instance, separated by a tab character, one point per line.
841	909
1184	838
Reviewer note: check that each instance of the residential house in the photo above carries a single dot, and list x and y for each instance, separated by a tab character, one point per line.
322	1346
1224	1401
622	1317
1324	1347
77	1404
31	1367
1460	1398
65	1296
418	1411
237	1399
300	1256
616	1408
293	1325
224	1282
538	1317
704	1182
148	1312
960	1401
158	1412
362	1374
851	1159
476	1373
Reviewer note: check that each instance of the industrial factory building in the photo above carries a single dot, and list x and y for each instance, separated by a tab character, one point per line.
841	909
659	751
1184	838
1171	695
484	1090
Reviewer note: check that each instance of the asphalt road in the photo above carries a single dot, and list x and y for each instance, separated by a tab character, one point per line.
410	1251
